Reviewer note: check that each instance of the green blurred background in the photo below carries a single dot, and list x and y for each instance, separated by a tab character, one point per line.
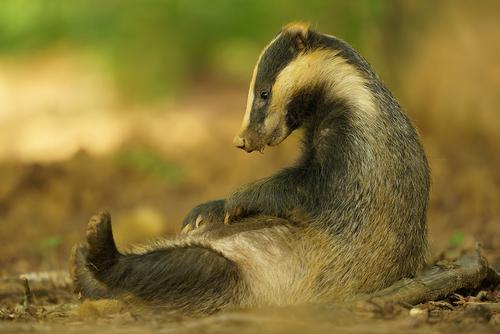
153	47
131	106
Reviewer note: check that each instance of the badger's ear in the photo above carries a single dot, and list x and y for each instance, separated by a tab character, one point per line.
299	32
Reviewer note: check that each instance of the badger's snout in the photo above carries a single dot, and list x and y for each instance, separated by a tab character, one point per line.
239	142
249	142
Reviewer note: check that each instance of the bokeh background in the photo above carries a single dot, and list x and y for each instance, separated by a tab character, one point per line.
131	106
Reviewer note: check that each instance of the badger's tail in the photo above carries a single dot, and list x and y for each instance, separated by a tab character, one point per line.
191	278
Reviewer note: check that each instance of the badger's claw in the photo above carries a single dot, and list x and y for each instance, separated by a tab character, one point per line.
187	228
206	213
235	213
199	221
191	227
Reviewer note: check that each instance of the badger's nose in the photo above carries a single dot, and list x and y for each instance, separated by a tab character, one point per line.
239	142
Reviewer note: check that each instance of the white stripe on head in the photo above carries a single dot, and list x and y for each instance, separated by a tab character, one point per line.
342	81
251	90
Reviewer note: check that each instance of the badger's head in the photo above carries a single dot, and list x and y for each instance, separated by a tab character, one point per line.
299	71
266	120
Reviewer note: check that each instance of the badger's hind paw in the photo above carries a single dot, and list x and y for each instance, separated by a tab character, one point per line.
99	234
90	261
85	283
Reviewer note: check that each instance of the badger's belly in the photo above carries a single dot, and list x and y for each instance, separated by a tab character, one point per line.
283	264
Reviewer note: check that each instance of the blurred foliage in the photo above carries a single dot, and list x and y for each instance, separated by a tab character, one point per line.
149	161
153	46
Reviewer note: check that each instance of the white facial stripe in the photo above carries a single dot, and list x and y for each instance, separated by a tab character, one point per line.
246	117
342	81
251	92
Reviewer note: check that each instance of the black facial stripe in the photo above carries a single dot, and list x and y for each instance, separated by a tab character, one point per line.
258	115
303	105
277	56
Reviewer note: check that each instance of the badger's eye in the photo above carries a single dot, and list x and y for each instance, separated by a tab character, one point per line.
264	95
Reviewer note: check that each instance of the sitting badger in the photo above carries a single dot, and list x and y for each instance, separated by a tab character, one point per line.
348	217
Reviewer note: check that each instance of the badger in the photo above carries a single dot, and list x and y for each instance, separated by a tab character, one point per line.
349	217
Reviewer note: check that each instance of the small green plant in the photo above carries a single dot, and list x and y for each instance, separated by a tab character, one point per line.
456	239
52	241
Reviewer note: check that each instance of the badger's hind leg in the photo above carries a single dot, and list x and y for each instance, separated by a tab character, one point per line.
89	261
190	277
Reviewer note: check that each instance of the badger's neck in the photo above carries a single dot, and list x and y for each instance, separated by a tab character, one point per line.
363	147
341	113
341	144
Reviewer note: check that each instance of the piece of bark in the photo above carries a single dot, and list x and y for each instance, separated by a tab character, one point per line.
435	282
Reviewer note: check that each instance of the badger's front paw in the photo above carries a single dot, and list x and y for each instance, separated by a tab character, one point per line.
211	212
235	210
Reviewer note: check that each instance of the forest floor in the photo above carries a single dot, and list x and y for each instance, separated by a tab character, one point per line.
59	311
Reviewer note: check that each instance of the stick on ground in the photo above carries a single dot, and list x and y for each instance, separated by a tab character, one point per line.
436	282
